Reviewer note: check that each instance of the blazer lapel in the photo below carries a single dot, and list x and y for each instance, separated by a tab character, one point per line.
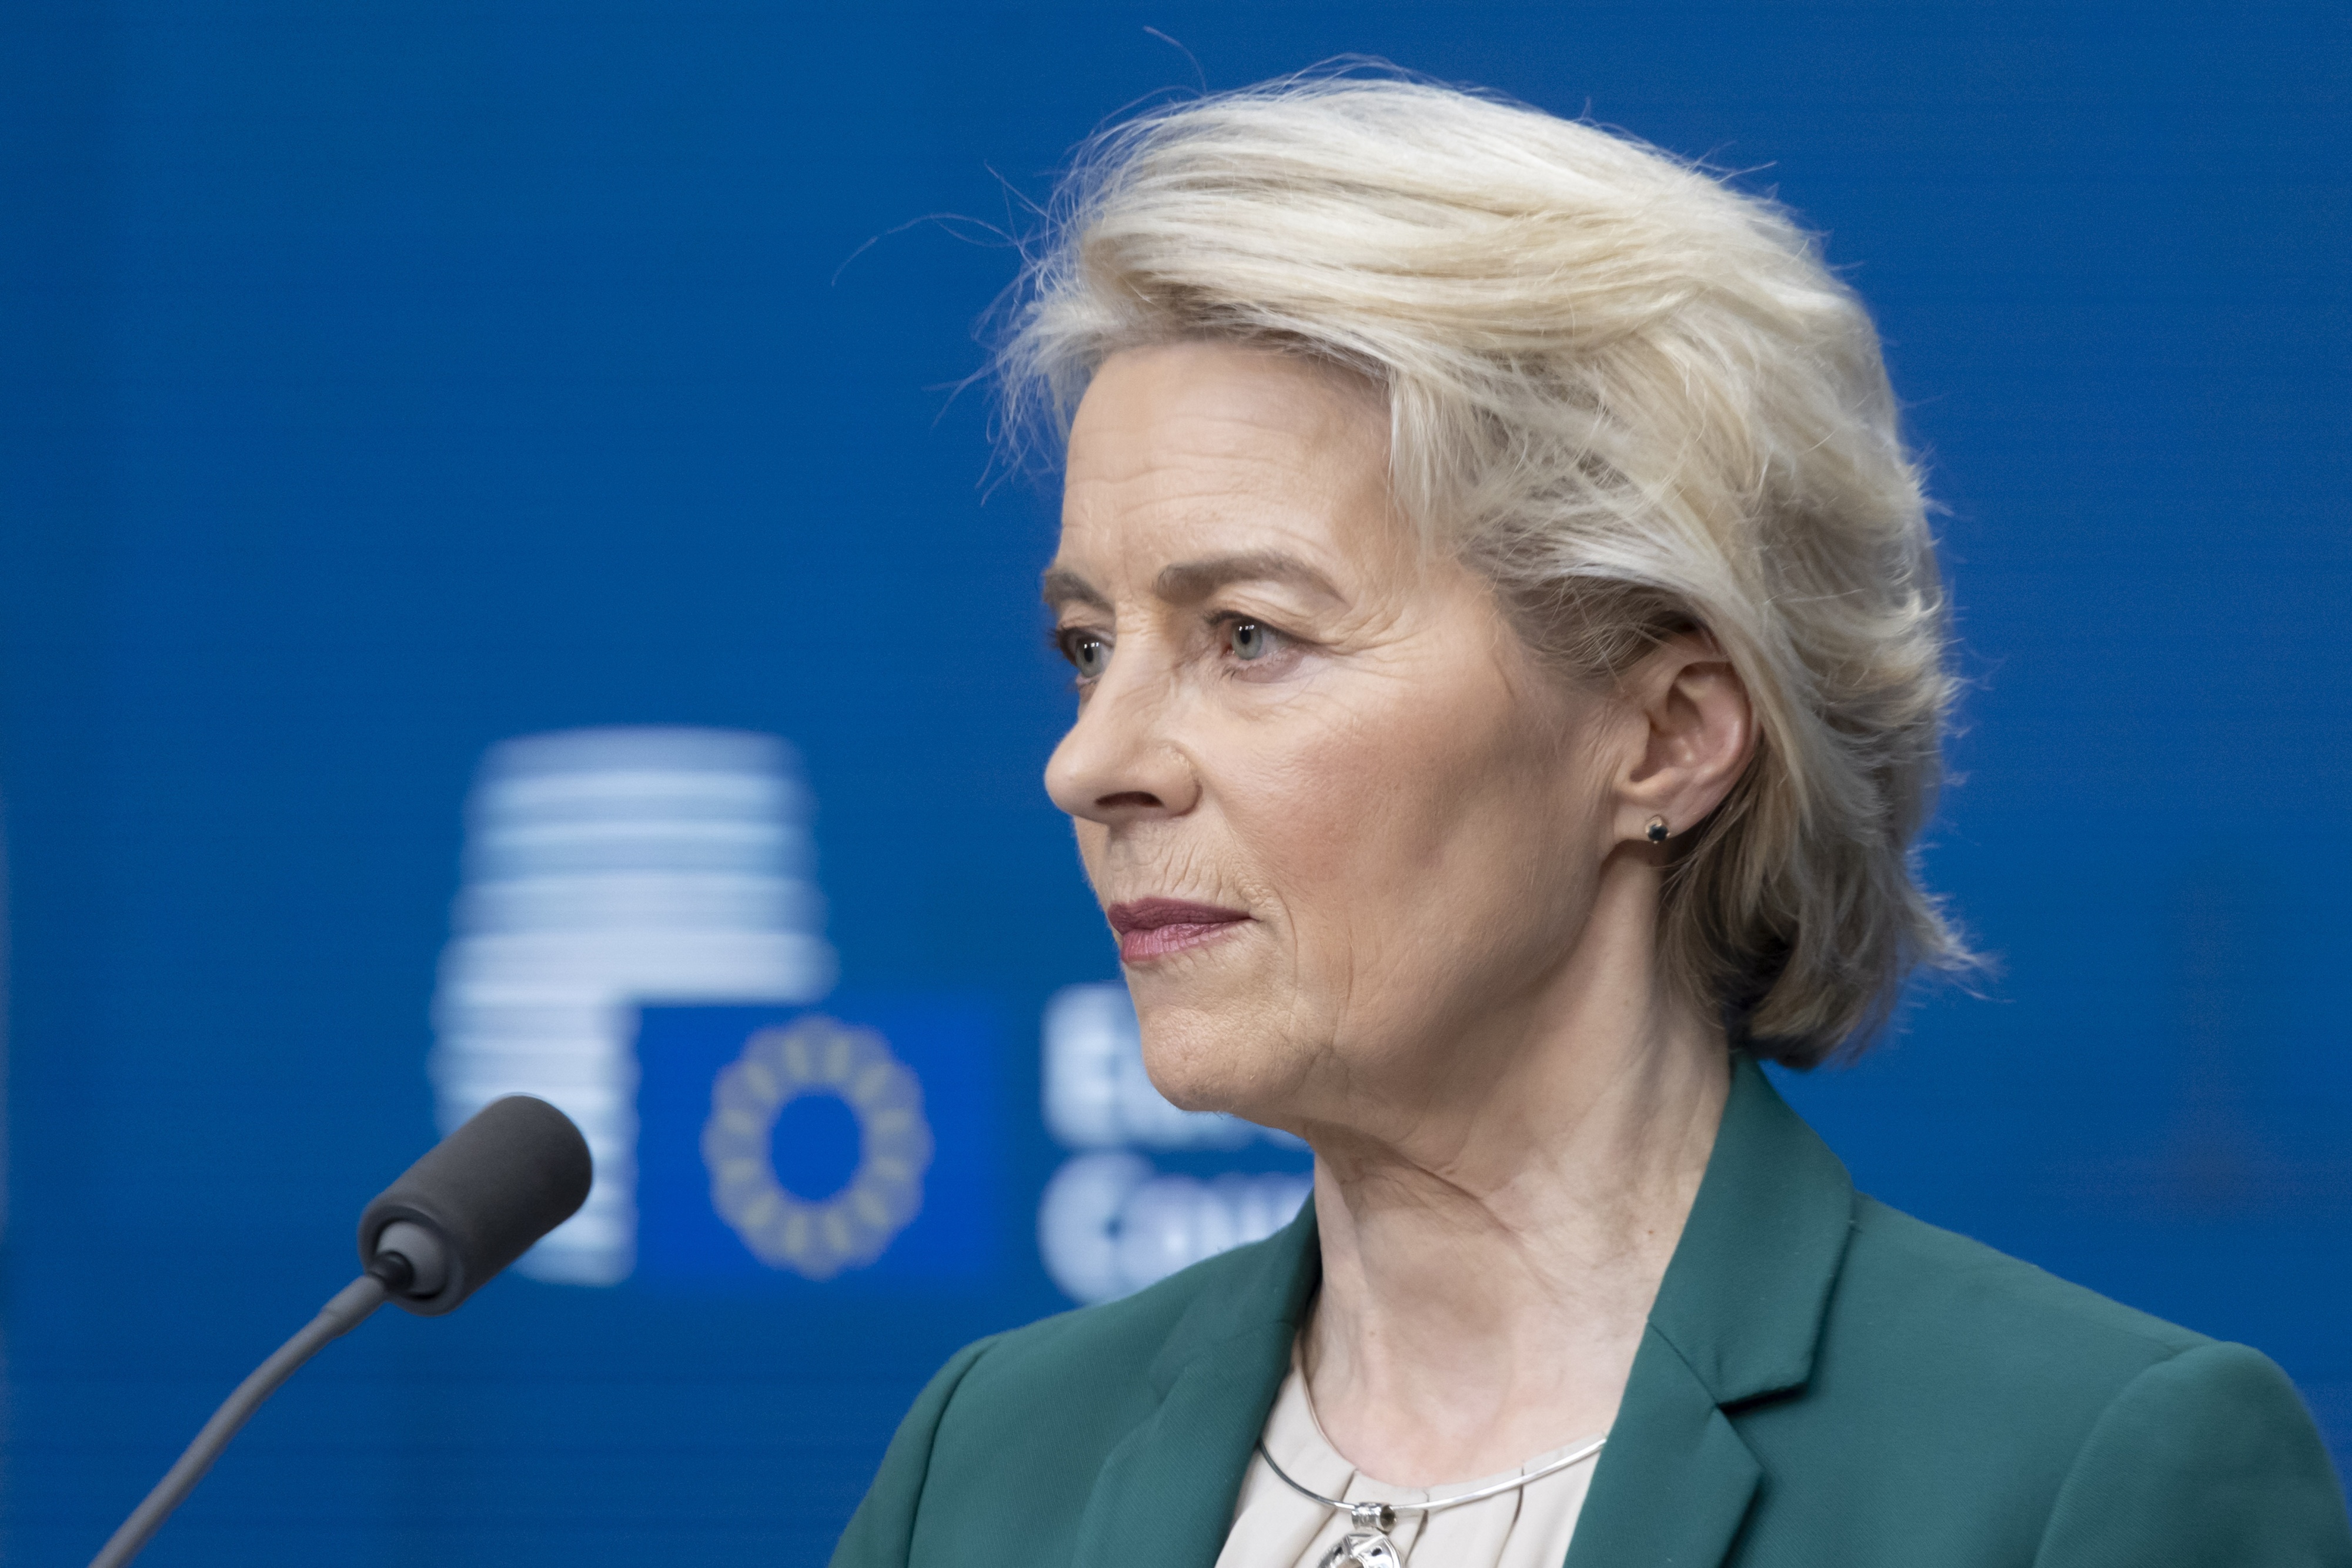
1737	1319
1674	1482
1164	1498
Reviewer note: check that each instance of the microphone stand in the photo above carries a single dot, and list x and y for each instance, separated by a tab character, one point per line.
477	1199
350	1308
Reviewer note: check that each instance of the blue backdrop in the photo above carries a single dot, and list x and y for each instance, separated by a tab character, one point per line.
384	381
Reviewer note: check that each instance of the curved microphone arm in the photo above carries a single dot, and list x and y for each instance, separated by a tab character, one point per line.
350	1308
474	1204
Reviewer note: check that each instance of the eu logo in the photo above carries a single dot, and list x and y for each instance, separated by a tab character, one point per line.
816	1238
782	1150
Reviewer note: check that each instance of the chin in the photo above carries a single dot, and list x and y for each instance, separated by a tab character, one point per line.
1229	1058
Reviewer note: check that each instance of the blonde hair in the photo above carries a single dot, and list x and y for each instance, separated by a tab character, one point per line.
1634	398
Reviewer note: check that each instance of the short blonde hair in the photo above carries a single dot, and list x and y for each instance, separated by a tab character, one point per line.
1634	398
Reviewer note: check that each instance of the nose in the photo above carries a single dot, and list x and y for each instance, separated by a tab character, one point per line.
1119	762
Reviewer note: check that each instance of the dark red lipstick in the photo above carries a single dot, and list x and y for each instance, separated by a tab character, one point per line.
1155	927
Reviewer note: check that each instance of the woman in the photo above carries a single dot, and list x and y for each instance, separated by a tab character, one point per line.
1510	665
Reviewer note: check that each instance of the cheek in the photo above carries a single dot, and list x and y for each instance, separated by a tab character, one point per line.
1400	832
1307	800
1093	838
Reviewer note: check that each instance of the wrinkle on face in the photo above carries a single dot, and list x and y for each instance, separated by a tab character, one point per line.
1407	816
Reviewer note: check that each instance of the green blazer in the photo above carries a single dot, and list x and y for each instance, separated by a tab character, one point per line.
1824	1382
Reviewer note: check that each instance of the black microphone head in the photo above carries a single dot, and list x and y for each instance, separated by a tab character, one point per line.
515	1171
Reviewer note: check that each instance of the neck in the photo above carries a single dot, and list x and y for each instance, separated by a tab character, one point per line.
1490	1257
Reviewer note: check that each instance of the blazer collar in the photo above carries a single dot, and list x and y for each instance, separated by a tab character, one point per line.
1266	1306
1164	1498
1742	1301
1736	1317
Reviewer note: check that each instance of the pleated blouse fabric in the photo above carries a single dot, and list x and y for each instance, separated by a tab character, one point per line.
1274	1527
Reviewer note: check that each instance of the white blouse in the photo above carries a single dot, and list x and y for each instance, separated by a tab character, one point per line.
1274	1527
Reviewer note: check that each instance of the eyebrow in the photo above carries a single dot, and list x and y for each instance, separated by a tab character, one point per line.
1190	582
1064	586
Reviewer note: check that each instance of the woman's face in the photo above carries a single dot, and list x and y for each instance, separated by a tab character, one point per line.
1345	829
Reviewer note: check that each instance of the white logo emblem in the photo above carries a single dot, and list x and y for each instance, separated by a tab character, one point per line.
817	1239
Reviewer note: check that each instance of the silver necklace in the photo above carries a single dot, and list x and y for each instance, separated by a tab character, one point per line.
1368	1541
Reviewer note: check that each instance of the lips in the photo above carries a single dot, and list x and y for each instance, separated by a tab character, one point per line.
1154	927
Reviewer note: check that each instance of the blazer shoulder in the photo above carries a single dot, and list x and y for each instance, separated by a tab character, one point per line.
2209	1457
1945	1292
1968	1408
1964	1357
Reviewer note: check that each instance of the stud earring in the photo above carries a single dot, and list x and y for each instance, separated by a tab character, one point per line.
1656	830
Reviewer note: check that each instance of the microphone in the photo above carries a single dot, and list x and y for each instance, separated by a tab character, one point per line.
474	1204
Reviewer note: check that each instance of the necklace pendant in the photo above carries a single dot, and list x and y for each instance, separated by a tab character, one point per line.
1364	1548
1368	1545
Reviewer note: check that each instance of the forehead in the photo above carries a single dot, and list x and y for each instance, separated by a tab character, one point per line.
1199	447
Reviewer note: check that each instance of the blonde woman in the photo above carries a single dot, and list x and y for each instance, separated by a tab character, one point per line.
1510	664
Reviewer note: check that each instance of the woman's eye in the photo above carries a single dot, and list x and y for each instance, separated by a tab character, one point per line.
1087	653
1248	639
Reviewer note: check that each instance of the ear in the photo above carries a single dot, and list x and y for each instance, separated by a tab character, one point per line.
1694	733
